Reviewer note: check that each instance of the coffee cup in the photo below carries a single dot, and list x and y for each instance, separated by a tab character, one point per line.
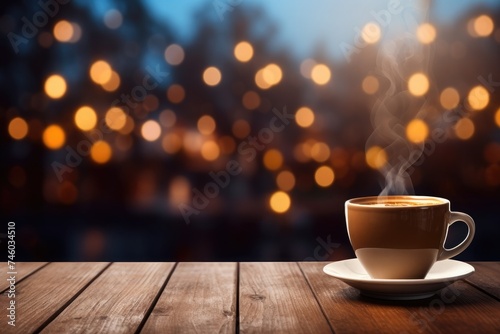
401	237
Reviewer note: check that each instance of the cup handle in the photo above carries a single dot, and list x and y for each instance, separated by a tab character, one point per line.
454	217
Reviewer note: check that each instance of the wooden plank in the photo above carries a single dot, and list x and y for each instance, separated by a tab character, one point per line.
275	298
116	302
459	308
199	298
486	277
44	293
23	269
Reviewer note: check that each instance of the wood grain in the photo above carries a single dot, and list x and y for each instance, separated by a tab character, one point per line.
41	295
275	298
116	302
486	277
199	298
23	269
459	308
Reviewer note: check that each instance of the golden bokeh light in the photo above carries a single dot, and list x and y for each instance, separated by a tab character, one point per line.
370	85
243	51
241	128
192	141
168	118
464	128
55	86
259	80
128	127
18	128
206	125
113	83
426	33
171	143
285	180
304	117
478	98
227	144
324	176
251	100
115	118
63	31
101	152
321	74
497	117
376	157
176	93
371	33
449	98
212	76
483	26
306	67
320	151
85	118
174	54
417	131
280	202
100	72
273	159
151	130
272	74
418	84
54	137
210	150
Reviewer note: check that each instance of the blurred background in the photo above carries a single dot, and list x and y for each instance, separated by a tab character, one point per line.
218	130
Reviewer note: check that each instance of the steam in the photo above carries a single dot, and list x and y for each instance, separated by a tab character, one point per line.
396	61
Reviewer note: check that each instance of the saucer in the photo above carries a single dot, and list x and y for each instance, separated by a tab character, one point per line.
441	274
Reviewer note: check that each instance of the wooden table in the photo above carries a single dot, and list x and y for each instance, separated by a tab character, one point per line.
264	297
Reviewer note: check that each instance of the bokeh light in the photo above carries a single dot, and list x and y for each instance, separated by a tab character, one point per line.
417	131
376	157
18	128
171	143
100	72
101	152
241	128
320	151
371	33
210	150
174	54
168	118
272	74
304	117
306	67
370	85
54	137
320	74
63	31
212	76
449	98
176	93
128	127
85	118
260	81
243	51
324	176
55	86
478	98
113	19
280	202
497	117
464	128
113	83
273	159
251	100
151	130
285	180
483	26
426	33
115	118
206	125
418	84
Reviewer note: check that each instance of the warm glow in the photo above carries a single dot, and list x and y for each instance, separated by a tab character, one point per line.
174	54
113	83
176	93
85	118
210	150
243	51
259	80
206	125
306	68
497	117
192	141
100	152
370	85
483	26
304	117
55	86
272	74
128	127
321	74
63	31
320	152
376	157
168	118
324	176
18	128
280	202
418	84
464	128
115	118
227	144
417	131
251	100
241	128
273	159
212	76
371	33
449	98
151	130
285	180
171	143
478	98
54	137
100	72
113	19
426	33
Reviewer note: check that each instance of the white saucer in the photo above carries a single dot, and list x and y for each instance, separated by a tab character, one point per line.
441	274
